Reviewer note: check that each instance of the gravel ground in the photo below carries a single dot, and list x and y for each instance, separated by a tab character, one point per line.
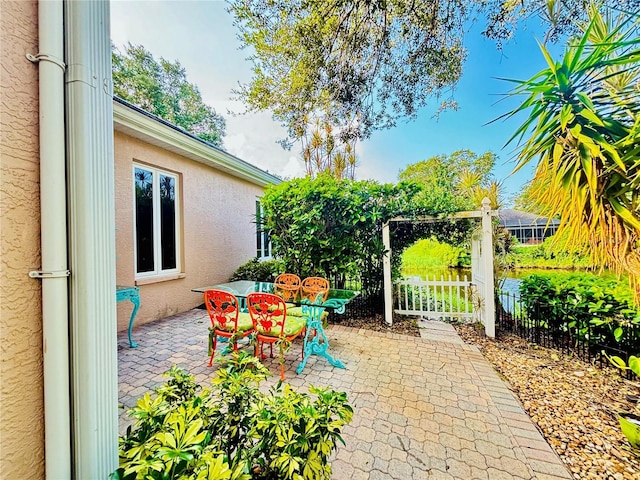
572	402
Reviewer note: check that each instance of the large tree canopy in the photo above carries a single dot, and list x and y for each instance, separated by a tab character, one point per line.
362	65
561	17
161	87
359	64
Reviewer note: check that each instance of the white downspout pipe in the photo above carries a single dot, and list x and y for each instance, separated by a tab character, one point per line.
55	324
92	246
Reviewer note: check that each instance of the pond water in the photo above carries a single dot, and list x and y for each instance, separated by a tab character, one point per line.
511	285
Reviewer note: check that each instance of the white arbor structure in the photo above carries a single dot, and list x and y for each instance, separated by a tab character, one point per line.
482	274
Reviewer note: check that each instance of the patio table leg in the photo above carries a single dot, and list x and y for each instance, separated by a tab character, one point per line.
133	295
319	343
135	299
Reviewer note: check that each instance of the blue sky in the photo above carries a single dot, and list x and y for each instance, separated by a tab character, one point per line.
200	34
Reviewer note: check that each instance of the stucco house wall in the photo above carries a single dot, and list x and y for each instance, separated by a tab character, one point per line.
21	381
217	230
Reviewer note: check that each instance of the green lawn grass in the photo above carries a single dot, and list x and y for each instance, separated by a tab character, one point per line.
429	254
429	257
542	256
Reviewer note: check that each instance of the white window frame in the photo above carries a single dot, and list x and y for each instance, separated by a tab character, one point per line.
157	237
265	242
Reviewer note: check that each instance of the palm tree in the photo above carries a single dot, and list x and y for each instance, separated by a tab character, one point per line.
583	130
325	150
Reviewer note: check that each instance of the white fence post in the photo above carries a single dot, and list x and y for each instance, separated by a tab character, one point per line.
386	267
487	267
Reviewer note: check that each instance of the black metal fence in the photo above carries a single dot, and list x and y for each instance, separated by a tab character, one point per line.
368	304
587	336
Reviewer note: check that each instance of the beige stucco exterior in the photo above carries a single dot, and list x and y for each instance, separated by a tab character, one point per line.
218	234
21	382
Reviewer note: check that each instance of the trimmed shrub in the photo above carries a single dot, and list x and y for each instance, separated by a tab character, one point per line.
232	431
258	270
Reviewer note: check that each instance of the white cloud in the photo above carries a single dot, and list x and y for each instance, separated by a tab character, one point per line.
253	138
201	36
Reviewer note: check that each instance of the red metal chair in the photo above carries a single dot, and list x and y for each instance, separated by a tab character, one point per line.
287	286
226	319
271	324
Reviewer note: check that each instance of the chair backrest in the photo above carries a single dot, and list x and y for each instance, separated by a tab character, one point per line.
268	313
312	286
287	286
223	309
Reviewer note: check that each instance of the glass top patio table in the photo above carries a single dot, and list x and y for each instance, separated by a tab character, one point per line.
241	288
315	340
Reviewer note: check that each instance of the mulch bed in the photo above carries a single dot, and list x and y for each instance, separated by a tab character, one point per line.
573	402
401	324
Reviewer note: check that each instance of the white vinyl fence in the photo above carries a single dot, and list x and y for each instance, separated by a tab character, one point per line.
443	299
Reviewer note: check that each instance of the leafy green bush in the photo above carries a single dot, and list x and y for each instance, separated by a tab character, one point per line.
333	228
232	431
541	256
552	253
328	227
587	307
258	270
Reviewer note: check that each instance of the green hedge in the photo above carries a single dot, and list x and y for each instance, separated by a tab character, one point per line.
258	270
586	307
333	228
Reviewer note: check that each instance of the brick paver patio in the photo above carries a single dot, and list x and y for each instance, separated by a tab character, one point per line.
423	407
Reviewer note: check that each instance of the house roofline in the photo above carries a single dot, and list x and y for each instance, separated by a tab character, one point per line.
140	124
517	218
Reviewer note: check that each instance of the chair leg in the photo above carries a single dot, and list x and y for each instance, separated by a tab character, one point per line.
213	350
281	361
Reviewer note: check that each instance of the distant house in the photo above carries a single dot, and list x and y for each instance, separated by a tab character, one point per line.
527	227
